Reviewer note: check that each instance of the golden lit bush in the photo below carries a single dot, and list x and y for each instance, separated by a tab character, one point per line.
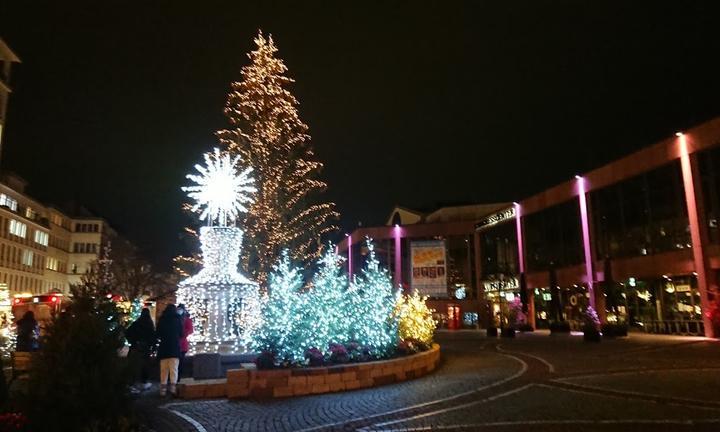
415	321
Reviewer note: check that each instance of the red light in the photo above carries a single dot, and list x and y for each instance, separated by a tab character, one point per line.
54	299
16	301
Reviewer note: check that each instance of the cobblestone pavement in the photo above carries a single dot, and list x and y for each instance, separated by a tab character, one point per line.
538	381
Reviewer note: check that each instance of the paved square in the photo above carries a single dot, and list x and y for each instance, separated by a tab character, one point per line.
536	381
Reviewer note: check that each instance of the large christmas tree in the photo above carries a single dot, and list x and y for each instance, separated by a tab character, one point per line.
266	131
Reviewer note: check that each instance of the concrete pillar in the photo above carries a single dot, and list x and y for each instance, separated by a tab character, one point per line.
349	258
698	226
587	244
483	306
397	236
520	234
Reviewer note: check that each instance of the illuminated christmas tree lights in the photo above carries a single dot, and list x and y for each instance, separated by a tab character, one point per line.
329	311
415	321
372	302
267	133
326	304
282	314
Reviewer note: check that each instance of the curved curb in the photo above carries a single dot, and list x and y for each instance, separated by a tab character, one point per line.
242	383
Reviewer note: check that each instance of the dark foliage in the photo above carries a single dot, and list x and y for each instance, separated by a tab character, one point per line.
79	380
507	332
614	330
591	334
559	327
526	328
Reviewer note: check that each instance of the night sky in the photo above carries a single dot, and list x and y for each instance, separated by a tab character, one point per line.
412	103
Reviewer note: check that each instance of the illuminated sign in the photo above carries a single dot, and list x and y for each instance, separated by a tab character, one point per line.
495	219
501	285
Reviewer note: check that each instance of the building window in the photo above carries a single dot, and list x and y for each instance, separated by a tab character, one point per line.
56	219
27	257
18	228
51	264
553	237
8	202
30	213
41	238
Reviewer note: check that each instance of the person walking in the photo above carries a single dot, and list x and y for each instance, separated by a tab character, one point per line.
142	338
28	333
187	331
169	331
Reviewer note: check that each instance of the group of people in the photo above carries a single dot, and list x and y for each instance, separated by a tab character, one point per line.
170	340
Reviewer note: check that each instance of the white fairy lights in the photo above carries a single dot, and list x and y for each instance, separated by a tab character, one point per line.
223	304
220	192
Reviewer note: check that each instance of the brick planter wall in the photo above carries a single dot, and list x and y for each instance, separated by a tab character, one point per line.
303	381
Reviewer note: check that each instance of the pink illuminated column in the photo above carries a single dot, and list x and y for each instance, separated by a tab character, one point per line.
349	252
697	243
520	246
586	238
521	263
397	235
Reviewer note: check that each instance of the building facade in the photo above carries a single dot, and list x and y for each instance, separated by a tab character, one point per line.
7	58
638	239
42	249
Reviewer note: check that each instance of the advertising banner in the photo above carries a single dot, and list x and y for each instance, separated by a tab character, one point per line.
429	270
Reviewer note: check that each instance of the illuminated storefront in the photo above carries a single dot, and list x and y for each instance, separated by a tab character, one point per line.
638	239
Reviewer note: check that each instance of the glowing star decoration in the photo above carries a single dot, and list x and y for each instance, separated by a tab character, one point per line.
220	192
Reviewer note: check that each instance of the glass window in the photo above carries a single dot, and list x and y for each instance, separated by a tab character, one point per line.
553	237
41	238
643	215
27	257
18	228
498	249
8	202
709	163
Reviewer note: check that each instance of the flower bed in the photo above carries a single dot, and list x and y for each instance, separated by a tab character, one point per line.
242	383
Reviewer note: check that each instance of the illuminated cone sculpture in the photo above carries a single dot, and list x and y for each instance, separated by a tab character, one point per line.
224	304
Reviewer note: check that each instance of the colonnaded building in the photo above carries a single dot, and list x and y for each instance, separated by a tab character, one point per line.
646	224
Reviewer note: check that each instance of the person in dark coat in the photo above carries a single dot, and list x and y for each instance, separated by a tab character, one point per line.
142	338
169	331
28	333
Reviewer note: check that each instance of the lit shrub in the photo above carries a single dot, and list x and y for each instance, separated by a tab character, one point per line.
415	322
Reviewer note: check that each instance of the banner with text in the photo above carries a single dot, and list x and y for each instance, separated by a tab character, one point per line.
429	271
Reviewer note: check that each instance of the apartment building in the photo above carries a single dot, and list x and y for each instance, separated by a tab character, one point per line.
42	248
7	58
